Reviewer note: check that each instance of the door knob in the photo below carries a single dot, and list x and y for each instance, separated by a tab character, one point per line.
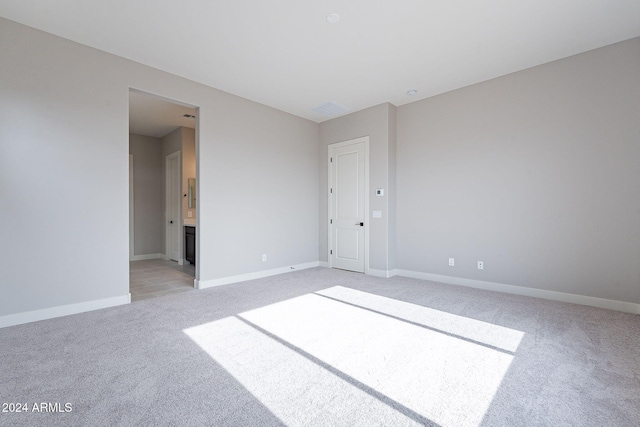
170	222
361	224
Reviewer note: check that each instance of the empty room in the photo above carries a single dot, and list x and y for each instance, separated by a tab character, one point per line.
361	213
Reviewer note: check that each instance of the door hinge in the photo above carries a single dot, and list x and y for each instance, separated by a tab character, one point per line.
330	221
331	190
331	252
332	160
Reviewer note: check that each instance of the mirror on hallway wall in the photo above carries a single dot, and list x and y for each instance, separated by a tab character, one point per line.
192	193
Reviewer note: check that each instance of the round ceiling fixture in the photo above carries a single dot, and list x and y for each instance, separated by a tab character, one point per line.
333	18
412	92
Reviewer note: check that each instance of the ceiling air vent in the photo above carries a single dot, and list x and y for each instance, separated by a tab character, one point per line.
189	116
330	109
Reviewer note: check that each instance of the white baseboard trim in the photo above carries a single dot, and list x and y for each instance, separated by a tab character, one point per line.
382	273
146	256
62	310
202	284
627	307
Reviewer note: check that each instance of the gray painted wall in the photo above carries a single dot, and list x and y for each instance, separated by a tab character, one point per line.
172	142
148	190
375	123
64	135
536	173
259	183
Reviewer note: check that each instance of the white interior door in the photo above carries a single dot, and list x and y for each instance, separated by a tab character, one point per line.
347	199
173	206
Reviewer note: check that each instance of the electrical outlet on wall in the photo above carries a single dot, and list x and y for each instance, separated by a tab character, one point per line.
451	262
264	257
480	265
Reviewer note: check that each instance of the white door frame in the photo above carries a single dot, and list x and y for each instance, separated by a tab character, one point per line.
168	184
131	211
331	147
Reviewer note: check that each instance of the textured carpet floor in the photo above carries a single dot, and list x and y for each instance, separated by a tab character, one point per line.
327	347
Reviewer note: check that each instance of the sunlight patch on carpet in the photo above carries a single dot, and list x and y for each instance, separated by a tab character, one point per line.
296	390
341	353
482	332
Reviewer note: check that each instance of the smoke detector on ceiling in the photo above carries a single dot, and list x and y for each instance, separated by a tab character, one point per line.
332	18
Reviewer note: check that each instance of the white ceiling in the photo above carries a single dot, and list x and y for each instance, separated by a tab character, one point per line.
285	54
153	116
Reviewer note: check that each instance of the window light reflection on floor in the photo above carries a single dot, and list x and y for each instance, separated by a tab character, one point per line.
342	356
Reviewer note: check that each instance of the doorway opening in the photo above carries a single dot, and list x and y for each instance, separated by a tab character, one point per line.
163	196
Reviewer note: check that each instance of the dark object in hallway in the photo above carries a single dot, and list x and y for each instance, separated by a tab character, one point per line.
190	244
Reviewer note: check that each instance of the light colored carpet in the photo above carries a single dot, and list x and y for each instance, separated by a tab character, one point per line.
327	347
